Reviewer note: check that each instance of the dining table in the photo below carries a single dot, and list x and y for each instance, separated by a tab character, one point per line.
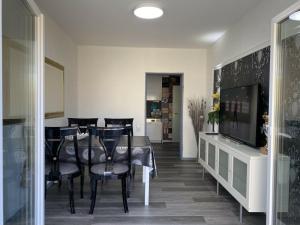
142	154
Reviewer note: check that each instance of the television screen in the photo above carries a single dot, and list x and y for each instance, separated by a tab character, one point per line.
239	110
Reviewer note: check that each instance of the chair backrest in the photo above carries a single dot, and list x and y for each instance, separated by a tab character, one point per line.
119	122
108	138
52	140
55	138
82	123
67	132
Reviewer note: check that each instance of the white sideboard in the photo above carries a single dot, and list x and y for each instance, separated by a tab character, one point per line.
240	169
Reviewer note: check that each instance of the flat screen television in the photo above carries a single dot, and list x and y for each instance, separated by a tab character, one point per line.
240	114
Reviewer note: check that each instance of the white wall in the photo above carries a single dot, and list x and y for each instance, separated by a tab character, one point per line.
60	48
249	33
111	83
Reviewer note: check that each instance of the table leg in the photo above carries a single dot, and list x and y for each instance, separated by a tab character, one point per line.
241	213
146	171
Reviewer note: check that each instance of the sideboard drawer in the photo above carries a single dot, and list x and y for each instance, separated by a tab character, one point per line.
240	176
223	164
212	155
202	149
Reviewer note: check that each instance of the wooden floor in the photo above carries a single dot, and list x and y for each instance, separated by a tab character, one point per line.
178	196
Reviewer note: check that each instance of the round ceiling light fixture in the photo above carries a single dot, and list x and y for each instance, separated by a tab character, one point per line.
148	12
295	16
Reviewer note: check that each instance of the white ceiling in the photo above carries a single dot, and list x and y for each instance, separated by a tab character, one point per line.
185	23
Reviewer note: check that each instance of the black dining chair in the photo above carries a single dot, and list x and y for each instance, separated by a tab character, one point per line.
56	170
119	122
125	122
82	123
109	167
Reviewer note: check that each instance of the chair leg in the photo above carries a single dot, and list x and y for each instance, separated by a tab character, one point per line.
59	183
91	188
71	195
133	171
94	193
129	179
81	184
124	194
102	182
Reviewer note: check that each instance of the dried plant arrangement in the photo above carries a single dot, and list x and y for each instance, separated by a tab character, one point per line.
196	109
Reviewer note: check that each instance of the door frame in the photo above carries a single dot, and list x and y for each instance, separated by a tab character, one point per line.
181	75
39	207
274	93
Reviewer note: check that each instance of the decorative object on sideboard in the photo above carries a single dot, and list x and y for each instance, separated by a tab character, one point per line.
265	128
213	116
196	109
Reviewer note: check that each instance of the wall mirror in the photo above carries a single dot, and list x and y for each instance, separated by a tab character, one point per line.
54	89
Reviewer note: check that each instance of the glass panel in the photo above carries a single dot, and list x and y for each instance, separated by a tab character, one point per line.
211	155
288	133
223	164
18	112
240	176
202	149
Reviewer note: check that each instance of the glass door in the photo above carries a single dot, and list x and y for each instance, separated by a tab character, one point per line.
19	91
286	123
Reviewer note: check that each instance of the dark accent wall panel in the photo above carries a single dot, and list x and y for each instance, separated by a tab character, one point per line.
217	80
251	69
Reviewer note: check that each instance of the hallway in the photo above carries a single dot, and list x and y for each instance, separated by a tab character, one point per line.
178	196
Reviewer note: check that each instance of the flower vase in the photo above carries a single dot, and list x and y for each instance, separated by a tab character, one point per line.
213	129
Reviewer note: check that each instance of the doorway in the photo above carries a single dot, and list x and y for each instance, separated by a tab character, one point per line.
164	107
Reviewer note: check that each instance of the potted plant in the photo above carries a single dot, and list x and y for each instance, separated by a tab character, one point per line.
213	116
